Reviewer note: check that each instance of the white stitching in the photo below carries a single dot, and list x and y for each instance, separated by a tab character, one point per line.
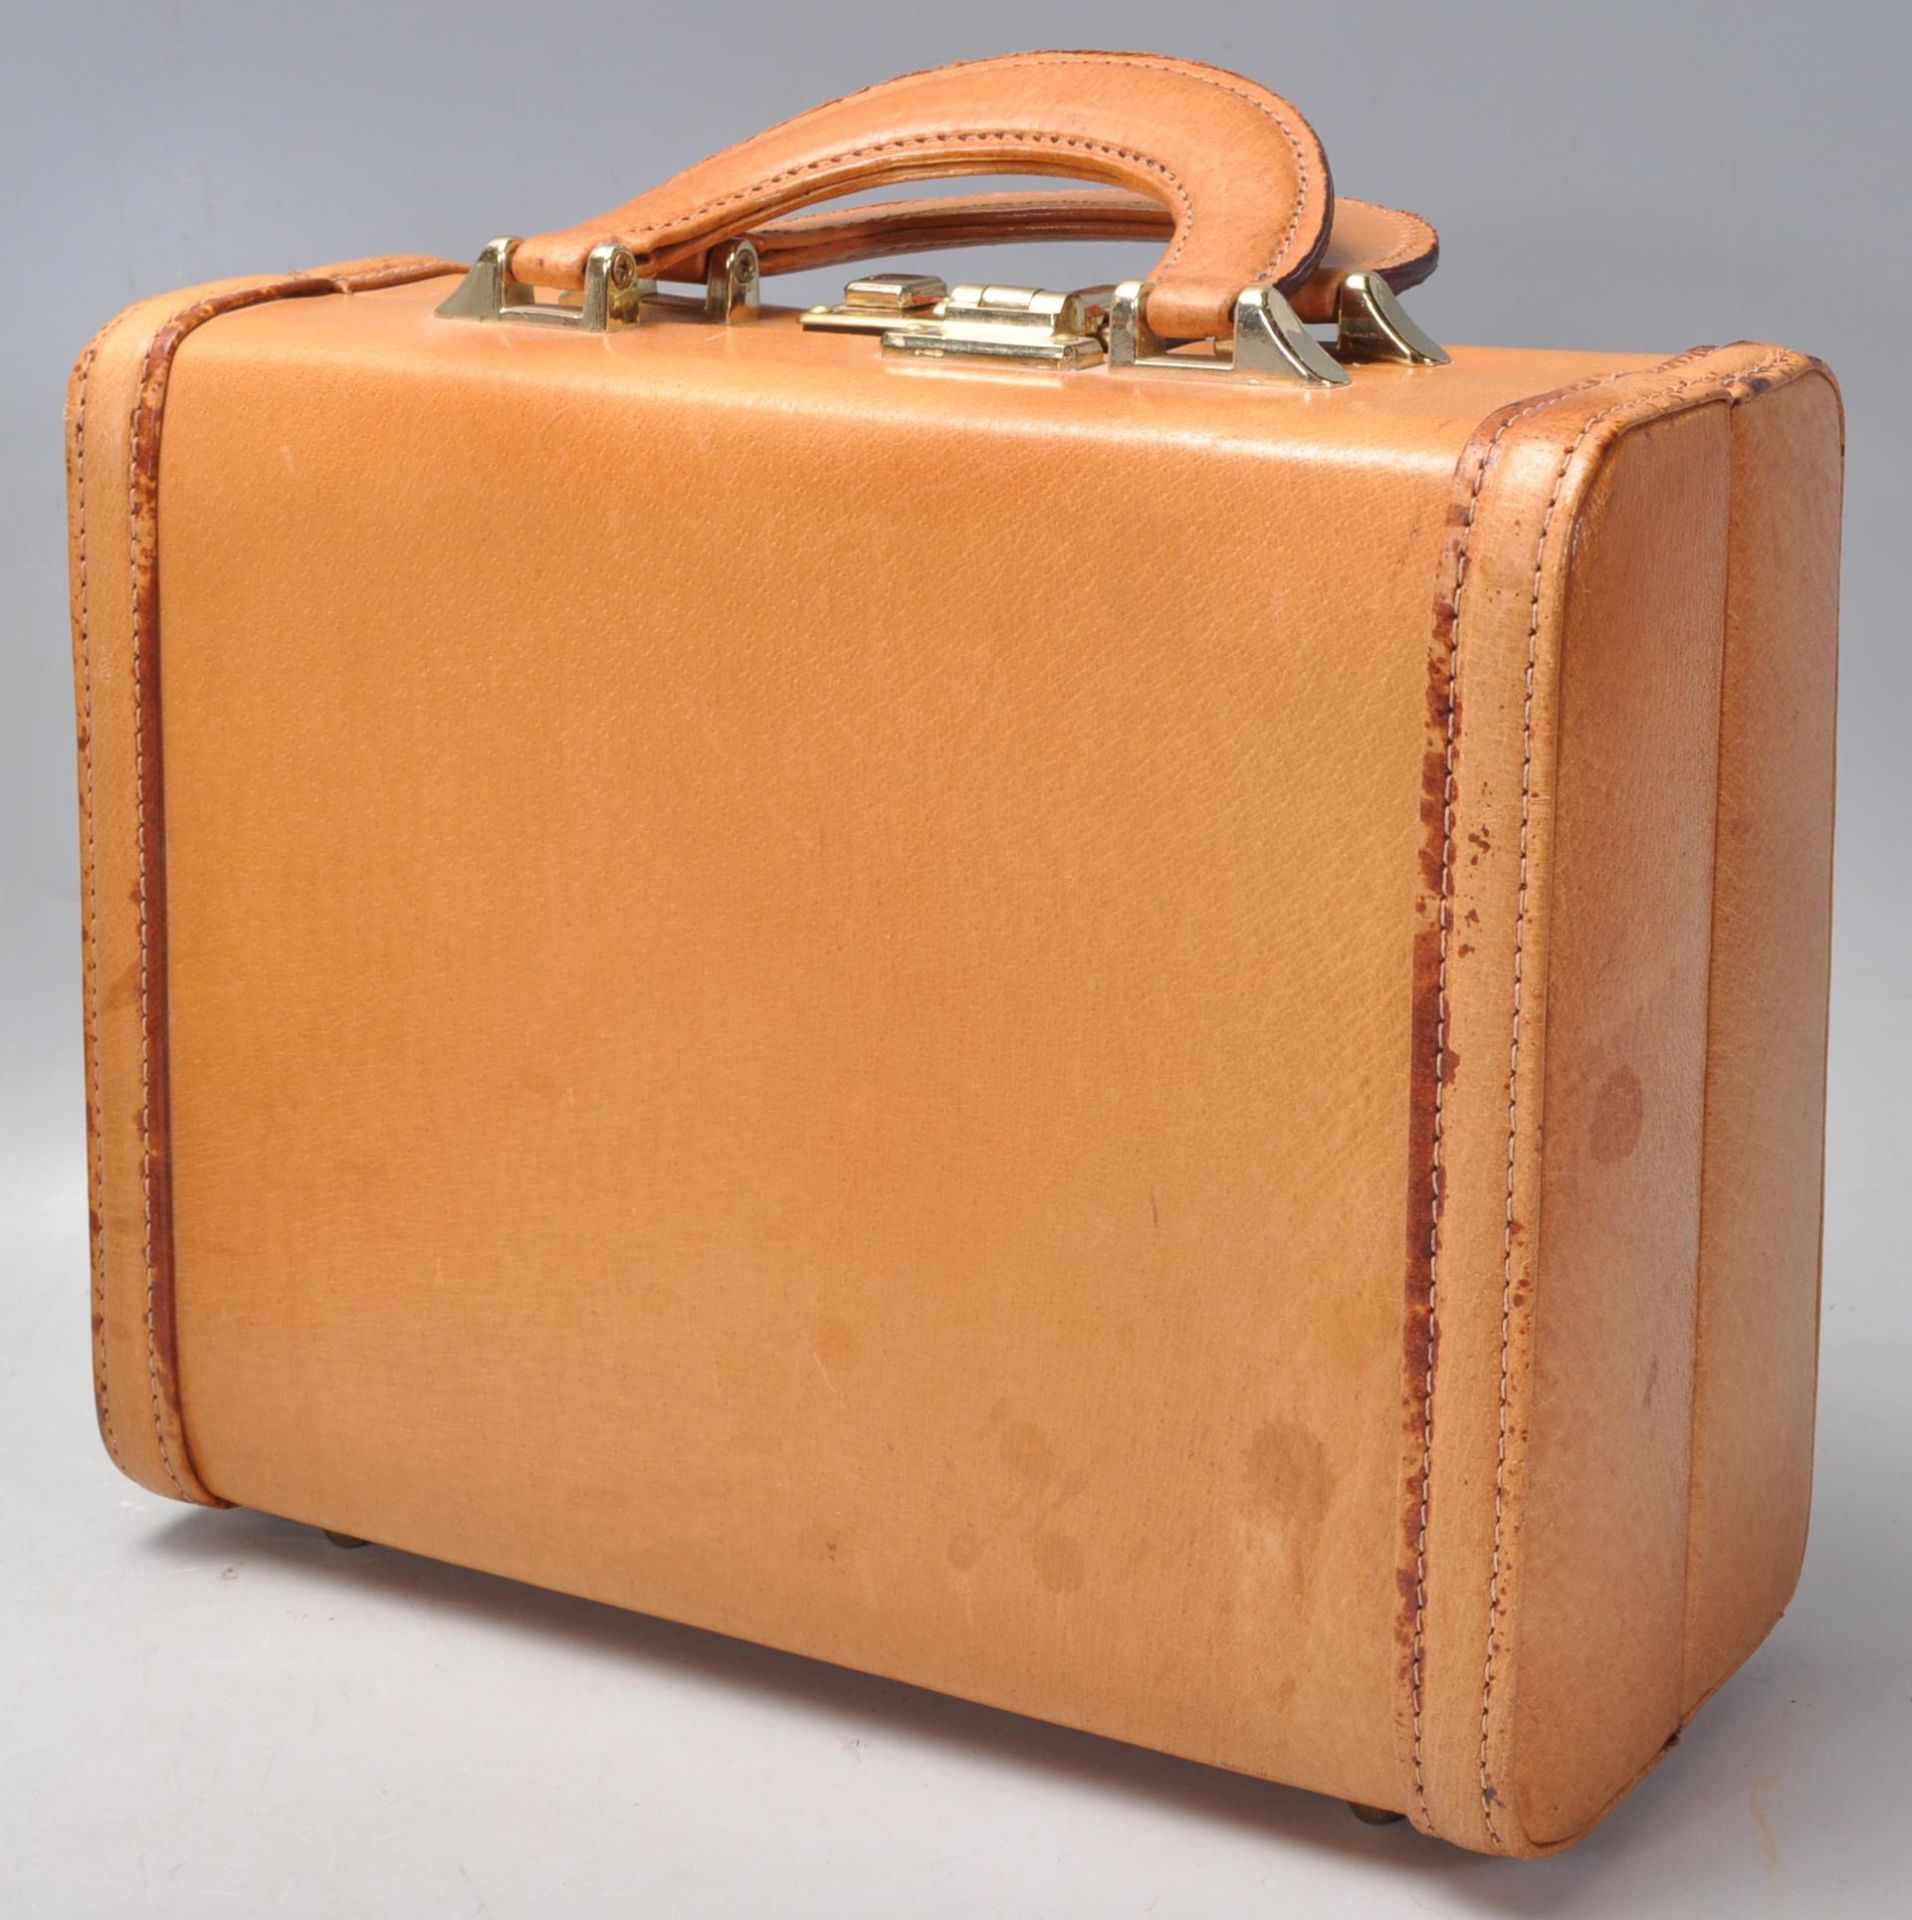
1226	83
684	222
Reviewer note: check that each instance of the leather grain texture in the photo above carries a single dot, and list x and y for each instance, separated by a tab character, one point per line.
1030	1032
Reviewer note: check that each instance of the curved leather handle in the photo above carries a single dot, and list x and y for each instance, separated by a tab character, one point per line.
1240	174
1364	238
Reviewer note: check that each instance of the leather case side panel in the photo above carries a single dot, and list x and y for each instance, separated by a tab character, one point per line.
135	1385
1505	1718
1656	1358
1757	1340
1602	1545
115	412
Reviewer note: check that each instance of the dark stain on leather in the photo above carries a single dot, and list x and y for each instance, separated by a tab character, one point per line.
1026	1451
1291	1482
838	1348
1619	1112
1059	1562
1290	1477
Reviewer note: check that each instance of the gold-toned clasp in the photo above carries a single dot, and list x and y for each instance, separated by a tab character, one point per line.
918	314
614	294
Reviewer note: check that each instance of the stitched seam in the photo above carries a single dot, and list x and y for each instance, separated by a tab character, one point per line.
1418	1641
688	221
1415	1692
145	936
1488	1796
1303	183
1224	84
1413	238
1415	234
96	1175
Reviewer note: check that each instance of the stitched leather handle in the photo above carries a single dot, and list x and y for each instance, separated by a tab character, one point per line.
1239	172
1364	238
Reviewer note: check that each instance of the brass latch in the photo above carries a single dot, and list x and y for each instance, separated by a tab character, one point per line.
918	314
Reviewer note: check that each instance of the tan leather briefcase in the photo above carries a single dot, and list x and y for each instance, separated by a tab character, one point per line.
1095	999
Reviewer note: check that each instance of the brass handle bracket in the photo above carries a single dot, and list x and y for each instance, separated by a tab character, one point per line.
614	294
1271	345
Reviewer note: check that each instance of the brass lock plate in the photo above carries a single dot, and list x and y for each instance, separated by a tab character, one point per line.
919	314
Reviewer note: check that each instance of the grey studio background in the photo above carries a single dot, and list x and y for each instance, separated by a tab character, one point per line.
219	1715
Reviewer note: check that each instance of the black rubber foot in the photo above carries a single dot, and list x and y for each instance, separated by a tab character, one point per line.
342	1539
1374	1816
